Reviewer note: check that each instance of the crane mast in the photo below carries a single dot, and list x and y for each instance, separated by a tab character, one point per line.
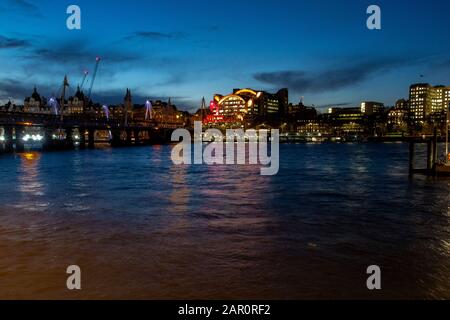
84	79
97	62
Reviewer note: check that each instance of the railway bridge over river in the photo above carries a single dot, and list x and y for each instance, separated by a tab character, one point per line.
64	132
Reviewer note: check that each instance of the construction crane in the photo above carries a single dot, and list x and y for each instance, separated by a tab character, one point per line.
97	62
84	79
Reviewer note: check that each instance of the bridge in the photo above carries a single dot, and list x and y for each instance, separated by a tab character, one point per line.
122	132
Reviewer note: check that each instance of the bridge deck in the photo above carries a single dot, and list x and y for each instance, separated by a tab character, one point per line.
11	119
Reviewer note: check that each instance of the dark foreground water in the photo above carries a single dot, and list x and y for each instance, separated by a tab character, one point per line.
140	227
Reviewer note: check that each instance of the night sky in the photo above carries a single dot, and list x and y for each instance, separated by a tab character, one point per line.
185	50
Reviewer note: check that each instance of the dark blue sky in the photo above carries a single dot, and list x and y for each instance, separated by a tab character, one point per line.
182	49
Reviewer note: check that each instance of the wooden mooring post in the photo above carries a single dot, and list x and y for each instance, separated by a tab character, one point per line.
432	156
412	154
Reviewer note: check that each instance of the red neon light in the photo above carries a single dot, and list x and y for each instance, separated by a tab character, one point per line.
214	107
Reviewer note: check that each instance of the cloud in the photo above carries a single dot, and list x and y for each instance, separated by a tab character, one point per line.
76	53
12	43
11	88
46	61
153	35
332	79
15	89
24	7
175	78
73	57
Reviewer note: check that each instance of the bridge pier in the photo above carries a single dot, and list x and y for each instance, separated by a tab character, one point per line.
136	137
48	139
128	132
166	135
145	137
69	143
50	143
152	136
91	138
156	136
82	132
20	133
8	134
115	138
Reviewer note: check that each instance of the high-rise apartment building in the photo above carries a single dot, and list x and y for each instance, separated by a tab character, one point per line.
419	101
427	102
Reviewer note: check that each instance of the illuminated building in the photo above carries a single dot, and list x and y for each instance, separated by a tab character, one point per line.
346	120
35	103
419	101
38	104
299	108
447	96
303	118
437	99
349	114
369	107
445	102
402	104
166	113
11	107
332	110
214	115
428	103
76	103
116	112
398	116
251	103
300	111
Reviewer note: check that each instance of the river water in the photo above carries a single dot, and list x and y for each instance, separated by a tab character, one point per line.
141	227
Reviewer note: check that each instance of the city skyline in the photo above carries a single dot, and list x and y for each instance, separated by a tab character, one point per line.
229	158
198	50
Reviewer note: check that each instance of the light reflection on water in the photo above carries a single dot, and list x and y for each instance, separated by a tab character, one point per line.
142	228
30	185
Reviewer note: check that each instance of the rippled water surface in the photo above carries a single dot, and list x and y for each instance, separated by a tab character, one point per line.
140	227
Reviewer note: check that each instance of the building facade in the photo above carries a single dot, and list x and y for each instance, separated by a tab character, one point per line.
76	104
398	117
249	103
428	103
346	120
447	96
370	107
419	102
35	103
